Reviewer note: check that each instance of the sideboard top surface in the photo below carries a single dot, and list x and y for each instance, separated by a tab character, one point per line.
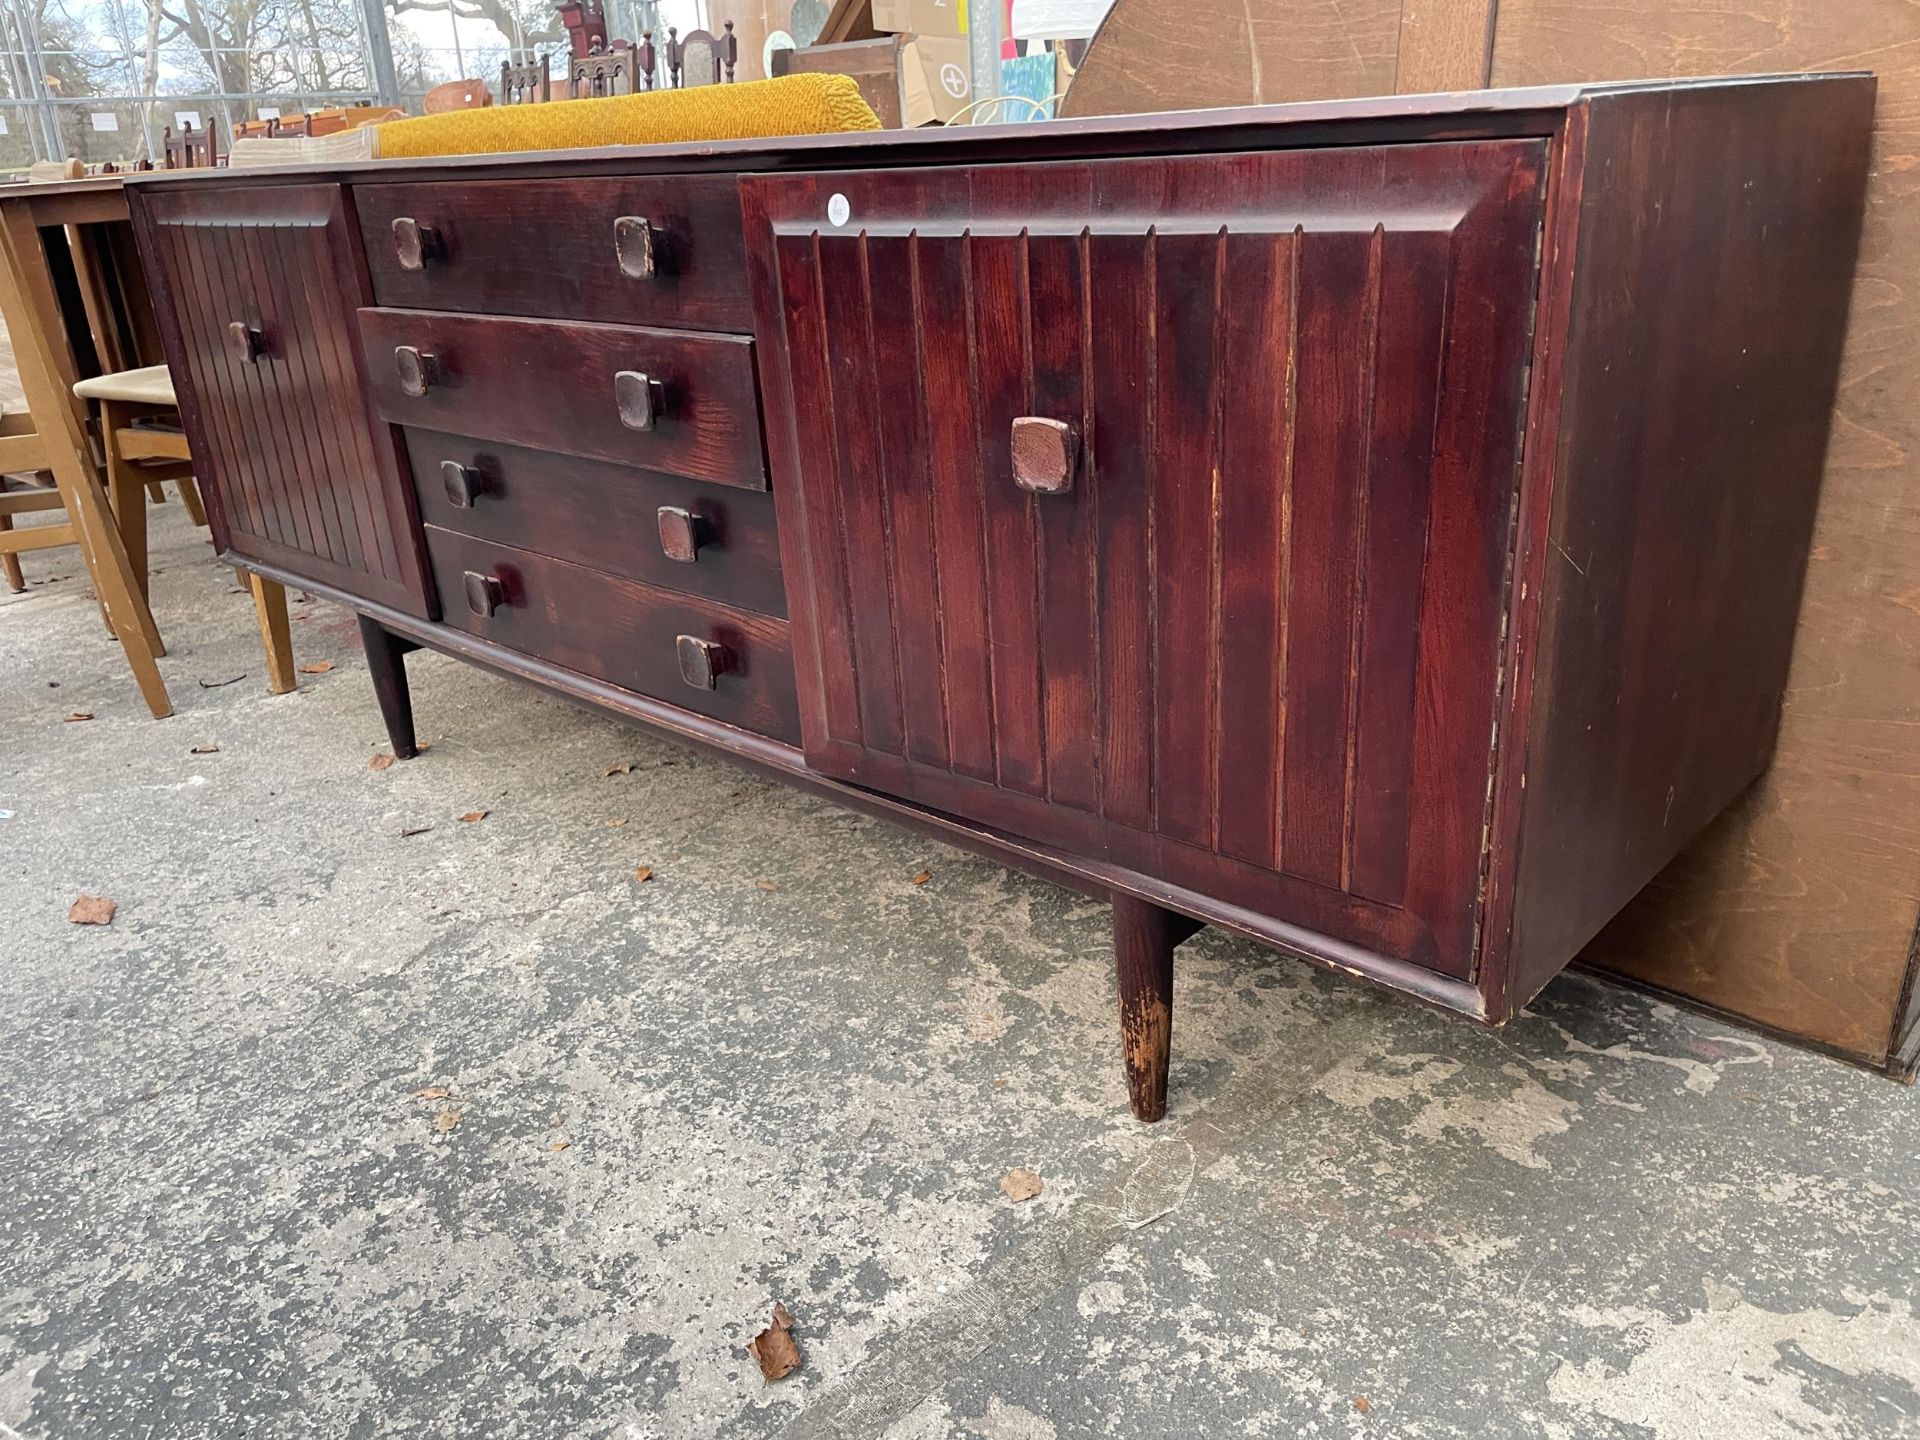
1373	119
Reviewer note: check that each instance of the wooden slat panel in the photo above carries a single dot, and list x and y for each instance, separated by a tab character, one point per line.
946	360
1415	287
1259	370
900	401
807	344
864	526
1186	457
1124	400
305	377
1066	551
1339	306
997	269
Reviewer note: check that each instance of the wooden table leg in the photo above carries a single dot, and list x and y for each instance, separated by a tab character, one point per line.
270	606
51	403
127	493
1144	937
10	563
385	659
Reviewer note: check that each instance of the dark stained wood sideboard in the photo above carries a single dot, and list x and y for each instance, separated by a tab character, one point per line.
1374	527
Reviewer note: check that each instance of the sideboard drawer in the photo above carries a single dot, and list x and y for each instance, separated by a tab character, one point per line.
713	540
641	638
661	399
650	250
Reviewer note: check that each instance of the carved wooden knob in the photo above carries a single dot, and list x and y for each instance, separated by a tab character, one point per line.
245	343
462	483
634	247
640	398
418	369
414	244
682	533
485	593
702	662
1046	455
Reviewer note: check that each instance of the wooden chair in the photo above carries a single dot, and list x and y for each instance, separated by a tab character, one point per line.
703	58
191	149
526	84
604	72
140	434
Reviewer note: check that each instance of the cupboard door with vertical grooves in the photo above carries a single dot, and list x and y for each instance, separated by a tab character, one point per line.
256	290
1159	509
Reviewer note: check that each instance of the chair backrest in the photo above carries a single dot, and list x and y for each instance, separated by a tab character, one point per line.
525	84
456	95
190	149
606	72
703	58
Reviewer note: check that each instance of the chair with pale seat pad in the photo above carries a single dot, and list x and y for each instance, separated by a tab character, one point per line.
143	443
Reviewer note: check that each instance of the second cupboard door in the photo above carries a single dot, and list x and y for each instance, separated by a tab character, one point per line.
1159	509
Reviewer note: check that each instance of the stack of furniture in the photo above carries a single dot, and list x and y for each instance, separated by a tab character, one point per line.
1372	527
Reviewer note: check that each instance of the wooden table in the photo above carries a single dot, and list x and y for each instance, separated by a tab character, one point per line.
76	305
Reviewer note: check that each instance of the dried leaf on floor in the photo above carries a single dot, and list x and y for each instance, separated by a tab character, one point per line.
615	824
204	750
1001	1083
316	667
773	1347
92	910
380	762
643	874
1363	1405
923	877
766	885
557	1146
446	1120
432	1092
623	769
1020	1184
473	816
76	716
417	830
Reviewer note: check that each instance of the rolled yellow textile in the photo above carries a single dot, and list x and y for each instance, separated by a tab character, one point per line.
790	105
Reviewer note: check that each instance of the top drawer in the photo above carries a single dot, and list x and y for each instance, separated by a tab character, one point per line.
648	250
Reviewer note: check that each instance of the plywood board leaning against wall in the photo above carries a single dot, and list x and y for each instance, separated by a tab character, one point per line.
1797	909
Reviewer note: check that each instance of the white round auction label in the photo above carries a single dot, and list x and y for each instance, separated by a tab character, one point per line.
838	210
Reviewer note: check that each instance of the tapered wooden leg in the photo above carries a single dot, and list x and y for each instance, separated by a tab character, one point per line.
10	563
1144	936
190	497
127	492
270	608
385	660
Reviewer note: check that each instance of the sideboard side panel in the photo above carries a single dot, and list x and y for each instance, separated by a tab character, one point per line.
1715	248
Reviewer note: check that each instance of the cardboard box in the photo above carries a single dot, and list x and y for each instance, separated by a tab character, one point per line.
941	19
936	79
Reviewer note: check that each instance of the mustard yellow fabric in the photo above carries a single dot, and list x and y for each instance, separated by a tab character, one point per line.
790	105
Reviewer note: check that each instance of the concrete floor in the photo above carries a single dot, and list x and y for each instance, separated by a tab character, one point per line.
224	1212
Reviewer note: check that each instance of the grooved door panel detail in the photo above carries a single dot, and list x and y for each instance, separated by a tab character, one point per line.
262	285
1258	634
